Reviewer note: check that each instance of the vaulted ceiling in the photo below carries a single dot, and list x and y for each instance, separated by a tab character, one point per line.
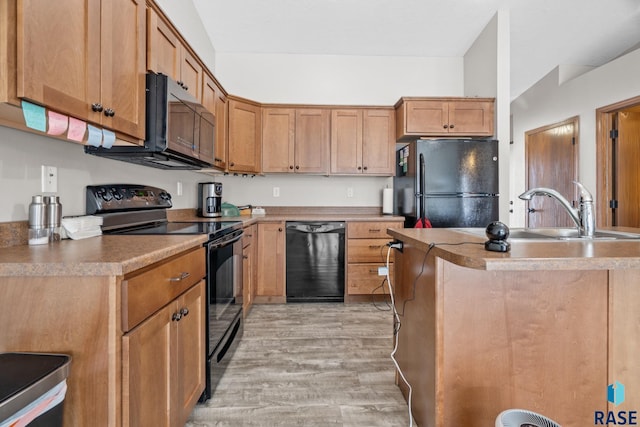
544	33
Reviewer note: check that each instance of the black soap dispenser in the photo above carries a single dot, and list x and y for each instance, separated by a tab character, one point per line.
497	232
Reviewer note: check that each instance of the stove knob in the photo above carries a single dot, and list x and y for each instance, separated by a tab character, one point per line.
117	195
106	196
165	196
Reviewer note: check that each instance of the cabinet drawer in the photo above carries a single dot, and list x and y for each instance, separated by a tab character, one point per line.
368	250
363	279
371	229
145	293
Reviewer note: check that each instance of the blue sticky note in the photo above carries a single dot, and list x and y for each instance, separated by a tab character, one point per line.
95	136
34	116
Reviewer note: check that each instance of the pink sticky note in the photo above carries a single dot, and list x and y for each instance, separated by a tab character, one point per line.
77	128
57	123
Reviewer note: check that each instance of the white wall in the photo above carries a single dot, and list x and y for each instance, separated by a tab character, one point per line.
549	102
487	74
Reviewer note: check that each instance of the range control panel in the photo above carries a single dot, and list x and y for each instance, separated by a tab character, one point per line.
125	197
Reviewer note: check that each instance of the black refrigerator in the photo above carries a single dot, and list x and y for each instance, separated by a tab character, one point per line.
447	183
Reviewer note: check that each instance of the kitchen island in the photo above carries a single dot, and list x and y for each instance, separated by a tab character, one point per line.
545	327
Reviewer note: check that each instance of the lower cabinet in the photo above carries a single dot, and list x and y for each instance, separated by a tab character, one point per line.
270	286
164	362
366	253
248	267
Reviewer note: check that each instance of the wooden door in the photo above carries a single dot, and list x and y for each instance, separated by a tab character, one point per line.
147	370
312	140
123	52
270	286
551	161
58	55
190	74
209	97
378	142
278	139
245	140
191	351
470	118
164	47
426	117
220	147
626	172
346	141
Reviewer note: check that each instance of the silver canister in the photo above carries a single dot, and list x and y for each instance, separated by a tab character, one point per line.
53	209
38	230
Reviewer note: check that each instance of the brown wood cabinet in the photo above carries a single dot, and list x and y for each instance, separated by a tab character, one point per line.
85	59
249	277
245	136
447	117
366	252
270	286
133	363
168	54
215	101
295	140
363	141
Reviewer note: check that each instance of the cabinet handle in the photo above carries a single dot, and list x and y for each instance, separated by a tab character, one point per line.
97	107
245	257
109	112
185	87
374	230
232	164
176	317
445	126
451	126
180	83
184	312
373	271
280	229
365	168
374	246
297	167
291	167
359	167
180	278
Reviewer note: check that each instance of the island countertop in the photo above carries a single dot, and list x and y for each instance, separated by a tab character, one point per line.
465	247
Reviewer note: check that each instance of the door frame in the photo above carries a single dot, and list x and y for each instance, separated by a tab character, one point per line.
575	121
604	156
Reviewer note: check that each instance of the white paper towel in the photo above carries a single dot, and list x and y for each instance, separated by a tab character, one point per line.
387	201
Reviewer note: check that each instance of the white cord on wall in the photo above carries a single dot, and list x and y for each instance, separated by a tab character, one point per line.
395	332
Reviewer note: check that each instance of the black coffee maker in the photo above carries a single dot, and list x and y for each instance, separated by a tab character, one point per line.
210	199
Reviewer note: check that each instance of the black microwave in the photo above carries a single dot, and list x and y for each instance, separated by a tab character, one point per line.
178	129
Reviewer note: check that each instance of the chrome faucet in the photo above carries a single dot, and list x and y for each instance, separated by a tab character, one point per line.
584	216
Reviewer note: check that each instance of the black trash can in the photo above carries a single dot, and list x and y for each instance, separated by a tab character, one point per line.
33	387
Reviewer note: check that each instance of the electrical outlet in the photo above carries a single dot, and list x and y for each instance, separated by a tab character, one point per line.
276	191
179	188
350	192
49	179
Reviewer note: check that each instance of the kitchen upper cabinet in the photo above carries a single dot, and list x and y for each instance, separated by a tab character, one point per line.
416	117
270	286
167	54
362	141
84	58
215	101
245	136
295	140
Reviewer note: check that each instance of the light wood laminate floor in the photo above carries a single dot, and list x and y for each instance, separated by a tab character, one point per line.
319	364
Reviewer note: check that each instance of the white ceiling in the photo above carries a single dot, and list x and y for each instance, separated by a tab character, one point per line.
544	33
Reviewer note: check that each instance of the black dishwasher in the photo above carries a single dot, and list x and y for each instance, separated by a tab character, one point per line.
315	261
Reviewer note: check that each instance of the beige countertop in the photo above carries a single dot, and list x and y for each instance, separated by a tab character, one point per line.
467	250
115	255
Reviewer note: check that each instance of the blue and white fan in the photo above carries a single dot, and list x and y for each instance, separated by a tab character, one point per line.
523	418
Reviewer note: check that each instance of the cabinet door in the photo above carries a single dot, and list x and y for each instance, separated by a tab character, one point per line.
58	55
271	261
364	279
346	141
190	74
220	147
378	142
245	141
209	96
147	370
312	140
190	347
426	117
278	139
123	66
164	47
471	118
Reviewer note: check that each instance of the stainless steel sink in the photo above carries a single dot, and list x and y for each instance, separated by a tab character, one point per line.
565	234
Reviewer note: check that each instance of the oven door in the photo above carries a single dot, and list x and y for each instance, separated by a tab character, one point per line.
224	310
